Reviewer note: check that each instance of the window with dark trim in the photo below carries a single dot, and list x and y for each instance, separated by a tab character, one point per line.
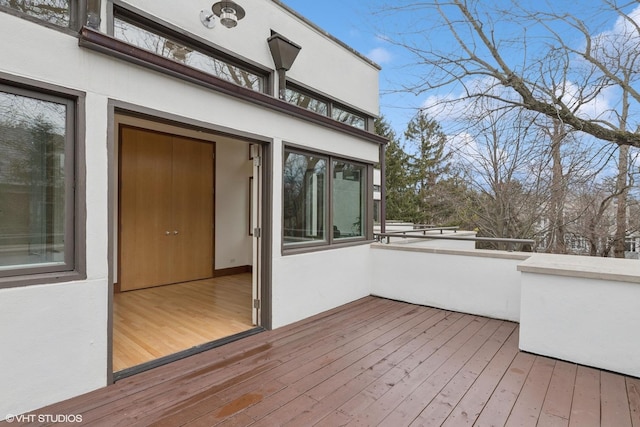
324	199
325	106
37	200
150	36
60	13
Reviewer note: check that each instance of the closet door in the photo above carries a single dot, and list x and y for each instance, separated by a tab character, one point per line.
192	209
145	227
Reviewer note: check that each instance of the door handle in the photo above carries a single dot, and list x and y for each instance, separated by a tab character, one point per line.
167	233
175	232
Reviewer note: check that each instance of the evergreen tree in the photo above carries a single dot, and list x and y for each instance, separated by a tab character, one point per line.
401	201
429	166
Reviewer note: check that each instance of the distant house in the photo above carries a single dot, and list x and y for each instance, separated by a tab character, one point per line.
147	143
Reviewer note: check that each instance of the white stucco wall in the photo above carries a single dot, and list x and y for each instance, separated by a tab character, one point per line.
582	309
308	284
480	282
355	84
54	344
54	337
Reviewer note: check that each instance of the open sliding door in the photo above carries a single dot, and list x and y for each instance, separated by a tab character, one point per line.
256	200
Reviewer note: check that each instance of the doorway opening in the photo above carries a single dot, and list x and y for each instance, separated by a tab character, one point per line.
187	260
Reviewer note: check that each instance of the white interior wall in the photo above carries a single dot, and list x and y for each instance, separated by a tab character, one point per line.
233	169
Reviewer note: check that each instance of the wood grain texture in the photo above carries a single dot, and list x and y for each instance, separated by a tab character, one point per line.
145	209
166	209
370	362
155	322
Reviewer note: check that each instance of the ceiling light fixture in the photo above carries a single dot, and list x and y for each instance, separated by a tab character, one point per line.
229	13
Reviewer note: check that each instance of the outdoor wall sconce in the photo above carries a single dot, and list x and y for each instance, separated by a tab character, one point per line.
229	13
284	52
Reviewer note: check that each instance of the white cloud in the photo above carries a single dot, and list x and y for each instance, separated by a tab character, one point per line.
380	55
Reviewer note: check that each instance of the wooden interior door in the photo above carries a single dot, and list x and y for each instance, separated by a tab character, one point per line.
192	209
166	209
145	208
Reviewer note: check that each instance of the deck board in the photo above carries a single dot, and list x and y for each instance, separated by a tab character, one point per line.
370	362
556	408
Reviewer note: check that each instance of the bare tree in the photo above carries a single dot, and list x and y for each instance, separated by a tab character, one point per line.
502	161
572	71
524	64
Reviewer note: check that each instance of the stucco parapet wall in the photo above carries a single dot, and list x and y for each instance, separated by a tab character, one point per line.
482	253
619	270
327	35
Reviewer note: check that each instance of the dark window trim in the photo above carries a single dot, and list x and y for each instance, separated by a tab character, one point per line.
108	45
155	25
76	208
331	102
329	242
76	18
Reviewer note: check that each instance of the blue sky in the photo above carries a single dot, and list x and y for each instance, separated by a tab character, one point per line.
360	25
353	22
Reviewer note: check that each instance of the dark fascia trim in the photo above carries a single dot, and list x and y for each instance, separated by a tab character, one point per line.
326	34
103	43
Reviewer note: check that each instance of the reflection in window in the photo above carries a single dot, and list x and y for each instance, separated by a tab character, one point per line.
56	12
304	198
306	101
33	133
348	200
172	49
348	117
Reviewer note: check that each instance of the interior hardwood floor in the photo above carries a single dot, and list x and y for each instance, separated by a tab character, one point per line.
155	322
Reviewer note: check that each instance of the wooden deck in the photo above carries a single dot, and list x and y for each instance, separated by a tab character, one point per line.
371	362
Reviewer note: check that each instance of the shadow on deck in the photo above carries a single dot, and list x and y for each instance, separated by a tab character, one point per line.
371	362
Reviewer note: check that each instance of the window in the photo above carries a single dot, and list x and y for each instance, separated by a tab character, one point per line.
310	181
348	117
304	198
127	29
348	199
36	182
56	12
307	100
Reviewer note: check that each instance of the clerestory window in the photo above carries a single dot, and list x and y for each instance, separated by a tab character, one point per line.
323	105
149	36
59	13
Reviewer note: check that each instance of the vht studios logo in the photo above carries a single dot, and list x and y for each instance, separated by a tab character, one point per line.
44	418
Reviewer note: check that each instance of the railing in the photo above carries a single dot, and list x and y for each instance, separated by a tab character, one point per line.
424	228
405	234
